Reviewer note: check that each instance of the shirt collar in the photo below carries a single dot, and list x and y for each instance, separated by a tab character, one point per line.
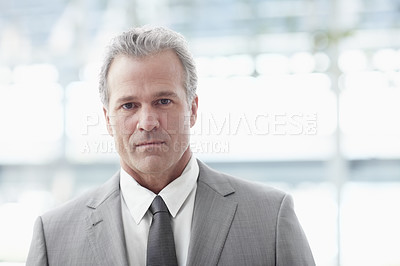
138	199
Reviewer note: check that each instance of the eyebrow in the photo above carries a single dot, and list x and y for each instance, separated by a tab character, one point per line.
169	94
130	98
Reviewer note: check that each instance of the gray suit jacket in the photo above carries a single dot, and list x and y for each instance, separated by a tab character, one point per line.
234	223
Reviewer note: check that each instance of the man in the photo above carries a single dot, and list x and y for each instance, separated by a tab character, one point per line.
148	89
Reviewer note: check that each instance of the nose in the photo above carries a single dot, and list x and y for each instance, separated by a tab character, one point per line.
148	120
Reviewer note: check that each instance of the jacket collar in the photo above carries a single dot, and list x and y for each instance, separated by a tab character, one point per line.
213	214
105	226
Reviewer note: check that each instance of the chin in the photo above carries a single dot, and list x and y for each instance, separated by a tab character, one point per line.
152	164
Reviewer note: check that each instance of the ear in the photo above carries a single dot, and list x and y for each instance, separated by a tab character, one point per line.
194	107
107	117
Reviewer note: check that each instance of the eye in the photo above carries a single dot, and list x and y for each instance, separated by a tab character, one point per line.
128	106
164	101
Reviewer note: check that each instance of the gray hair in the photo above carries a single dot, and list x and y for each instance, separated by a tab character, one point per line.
144	41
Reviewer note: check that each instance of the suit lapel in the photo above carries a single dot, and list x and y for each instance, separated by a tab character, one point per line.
105	228
212	218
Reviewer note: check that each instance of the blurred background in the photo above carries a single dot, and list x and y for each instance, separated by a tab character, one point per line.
302	95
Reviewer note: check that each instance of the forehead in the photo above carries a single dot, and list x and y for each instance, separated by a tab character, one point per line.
163	69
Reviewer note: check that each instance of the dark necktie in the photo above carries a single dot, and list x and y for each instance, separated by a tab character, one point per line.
160	244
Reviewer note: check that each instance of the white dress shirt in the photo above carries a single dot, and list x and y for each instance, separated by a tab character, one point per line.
179	197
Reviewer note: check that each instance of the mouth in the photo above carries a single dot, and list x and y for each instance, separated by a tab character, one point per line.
153	143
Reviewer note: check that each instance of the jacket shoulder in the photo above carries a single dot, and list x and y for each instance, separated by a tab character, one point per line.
244	189
92	198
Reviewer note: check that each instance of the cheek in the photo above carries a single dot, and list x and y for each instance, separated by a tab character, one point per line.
176	123
124	126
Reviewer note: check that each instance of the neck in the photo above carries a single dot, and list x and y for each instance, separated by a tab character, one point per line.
158	181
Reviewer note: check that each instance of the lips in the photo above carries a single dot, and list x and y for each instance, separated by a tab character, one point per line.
150	143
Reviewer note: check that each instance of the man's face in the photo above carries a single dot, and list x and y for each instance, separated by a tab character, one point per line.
148	113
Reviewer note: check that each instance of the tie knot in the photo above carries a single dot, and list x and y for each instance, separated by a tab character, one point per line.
158	205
